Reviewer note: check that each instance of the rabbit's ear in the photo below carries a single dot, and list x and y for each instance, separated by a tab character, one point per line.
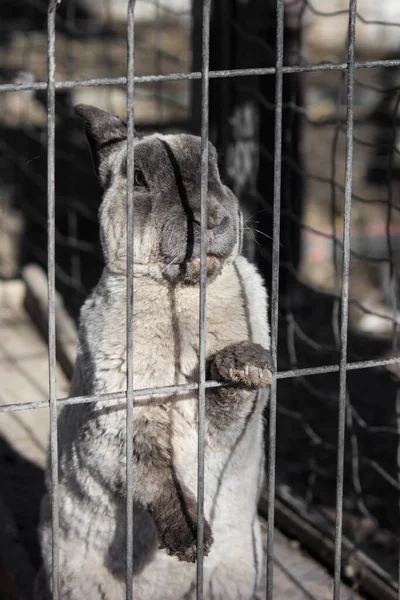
104	133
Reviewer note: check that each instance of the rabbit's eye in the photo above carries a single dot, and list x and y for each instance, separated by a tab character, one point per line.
139	179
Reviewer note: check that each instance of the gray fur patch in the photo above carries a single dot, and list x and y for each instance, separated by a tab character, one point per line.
92	437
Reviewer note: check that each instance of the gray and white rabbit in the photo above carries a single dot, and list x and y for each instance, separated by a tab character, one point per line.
92	437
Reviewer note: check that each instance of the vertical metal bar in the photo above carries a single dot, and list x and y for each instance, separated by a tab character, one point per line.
203	281
389	211
345	297
275	295
129	300
51	68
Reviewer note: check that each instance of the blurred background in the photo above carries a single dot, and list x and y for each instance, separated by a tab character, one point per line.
91	43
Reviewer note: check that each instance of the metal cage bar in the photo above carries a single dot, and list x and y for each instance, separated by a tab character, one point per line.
202	307
176	389
129	298
51	67
345	300
275	294
110	81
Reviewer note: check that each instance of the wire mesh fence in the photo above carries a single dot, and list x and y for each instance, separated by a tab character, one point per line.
304	111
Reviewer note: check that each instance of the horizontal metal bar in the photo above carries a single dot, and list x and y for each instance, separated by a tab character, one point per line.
352	366
109	81
171	389
187	387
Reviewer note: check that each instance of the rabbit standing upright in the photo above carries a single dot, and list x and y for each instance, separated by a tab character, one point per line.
92	448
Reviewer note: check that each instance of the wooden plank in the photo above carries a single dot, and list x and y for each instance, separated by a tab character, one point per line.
23	440
24	376
357	567
36	305
297	576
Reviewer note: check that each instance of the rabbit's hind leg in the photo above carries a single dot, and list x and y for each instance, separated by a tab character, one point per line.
88	580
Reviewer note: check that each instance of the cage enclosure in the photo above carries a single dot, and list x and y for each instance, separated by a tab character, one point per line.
334	92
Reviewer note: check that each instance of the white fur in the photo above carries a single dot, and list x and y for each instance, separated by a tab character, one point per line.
236	311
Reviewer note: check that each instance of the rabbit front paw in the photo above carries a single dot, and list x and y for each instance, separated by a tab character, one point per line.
180	540
245	364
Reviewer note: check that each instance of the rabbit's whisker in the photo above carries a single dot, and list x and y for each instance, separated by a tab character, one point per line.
172	262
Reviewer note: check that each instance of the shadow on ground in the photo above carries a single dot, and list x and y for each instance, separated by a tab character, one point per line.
22	487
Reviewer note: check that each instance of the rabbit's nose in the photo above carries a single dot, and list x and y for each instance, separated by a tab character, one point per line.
216	218
216	227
